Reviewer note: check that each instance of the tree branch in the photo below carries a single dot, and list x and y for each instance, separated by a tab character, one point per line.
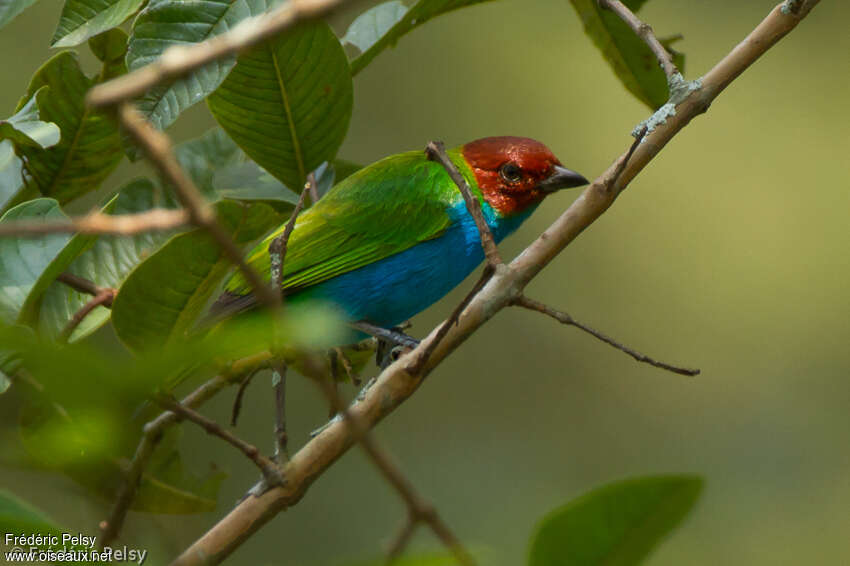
178	61
103	298
395	384
157	219
644	31
564	318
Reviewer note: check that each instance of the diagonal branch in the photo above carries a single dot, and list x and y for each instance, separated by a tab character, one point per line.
396	384
158	148
436	151
179	60
644	31
104	298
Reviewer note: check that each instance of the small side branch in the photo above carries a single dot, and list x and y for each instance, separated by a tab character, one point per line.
644	31
82	285
103	298
564	318
436	151
158	148
271	472
157	219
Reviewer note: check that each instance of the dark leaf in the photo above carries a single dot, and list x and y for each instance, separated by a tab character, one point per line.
82	19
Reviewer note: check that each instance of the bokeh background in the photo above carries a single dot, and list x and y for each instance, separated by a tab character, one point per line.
730	252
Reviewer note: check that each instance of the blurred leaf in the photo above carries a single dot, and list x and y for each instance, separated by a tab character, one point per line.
23	261
424	560
343	168
4	382
11	174
19	517
365	29
251	183
9	9
166	486
617	524
110	47
203	156
24	128
163	296
107	263
287	102
91	145
372	24
10	361
629	57
170	22
82	19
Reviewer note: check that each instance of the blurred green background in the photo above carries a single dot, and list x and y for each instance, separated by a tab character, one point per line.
729	253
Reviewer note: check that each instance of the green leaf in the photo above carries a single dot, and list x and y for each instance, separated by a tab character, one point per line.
24	128
164	295
110	47
629	57
82	19
203	156
91	145
442	559
287	102
19	517
368	31
23	261
9	9
171	22
249	182
107	264
617	524
11	175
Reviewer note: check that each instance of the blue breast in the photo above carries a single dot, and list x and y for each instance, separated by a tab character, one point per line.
392	290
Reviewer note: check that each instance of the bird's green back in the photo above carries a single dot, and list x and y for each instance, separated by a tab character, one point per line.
379	211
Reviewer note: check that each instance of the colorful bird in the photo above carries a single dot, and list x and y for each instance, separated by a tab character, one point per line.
395	237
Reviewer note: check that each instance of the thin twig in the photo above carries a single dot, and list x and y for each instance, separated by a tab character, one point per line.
418	508
564	318
271	472
240	394
151	436
402	538
157	219
180	60
422	359
158	148
81	284
436	151
644	32
103	298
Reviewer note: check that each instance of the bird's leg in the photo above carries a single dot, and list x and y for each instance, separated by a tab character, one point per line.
392	342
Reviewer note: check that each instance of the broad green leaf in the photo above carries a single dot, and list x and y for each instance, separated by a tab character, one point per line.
82	19
617	524
10	361
19	517
287	102
24	128
629	57
173	22
165	294
370	34
251	183
107	263
343	168
23	261
91	144
11	175
203	156
110	47
9	9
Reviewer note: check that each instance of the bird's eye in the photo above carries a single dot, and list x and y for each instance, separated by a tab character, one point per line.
510	172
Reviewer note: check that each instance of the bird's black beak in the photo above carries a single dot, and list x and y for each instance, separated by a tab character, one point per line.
562	178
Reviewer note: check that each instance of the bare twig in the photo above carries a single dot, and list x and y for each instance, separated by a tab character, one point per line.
82	285
153	432
157	219
394	385
158	148
436	151
419	509
644	31
240	394
177	61
103	298
271	472
564	318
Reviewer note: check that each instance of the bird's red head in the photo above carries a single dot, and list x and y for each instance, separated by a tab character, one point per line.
514	173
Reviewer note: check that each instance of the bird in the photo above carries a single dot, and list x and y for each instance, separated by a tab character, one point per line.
393	238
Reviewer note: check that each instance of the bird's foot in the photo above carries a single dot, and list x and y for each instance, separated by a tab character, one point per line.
392	342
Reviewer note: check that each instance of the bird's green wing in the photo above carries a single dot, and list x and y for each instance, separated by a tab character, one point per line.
377	212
